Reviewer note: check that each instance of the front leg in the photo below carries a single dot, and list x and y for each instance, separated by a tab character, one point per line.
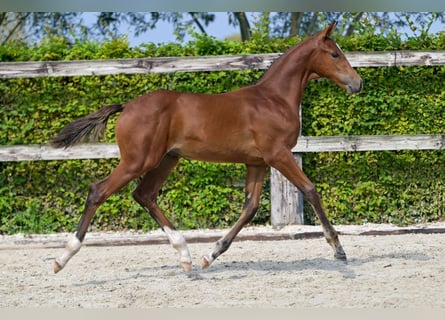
284	162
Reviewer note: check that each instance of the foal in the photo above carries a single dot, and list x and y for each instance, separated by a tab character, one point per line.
256	125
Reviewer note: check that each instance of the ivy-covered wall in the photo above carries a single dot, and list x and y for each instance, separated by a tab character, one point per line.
400	187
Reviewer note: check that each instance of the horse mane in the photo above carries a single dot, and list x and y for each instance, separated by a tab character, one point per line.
282	57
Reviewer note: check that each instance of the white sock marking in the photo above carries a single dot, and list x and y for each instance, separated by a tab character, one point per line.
177	241
71	248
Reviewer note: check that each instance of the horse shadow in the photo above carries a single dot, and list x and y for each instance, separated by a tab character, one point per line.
241	269
345	268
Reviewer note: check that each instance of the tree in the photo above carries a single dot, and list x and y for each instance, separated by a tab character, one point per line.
12	25
31	26
285	24
143	21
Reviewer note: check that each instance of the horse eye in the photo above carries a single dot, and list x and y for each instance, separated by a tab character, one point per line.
335	54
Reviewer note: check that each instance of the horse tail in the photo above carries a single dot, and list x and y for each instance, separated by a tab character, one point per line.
90	127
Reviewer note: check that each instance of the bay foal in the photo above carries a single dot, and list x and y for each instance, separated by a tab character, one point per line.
256	125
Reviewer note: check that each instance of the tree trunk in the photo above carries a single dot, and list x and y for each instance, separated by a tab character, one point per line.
295	22
244	25
312	24
351	26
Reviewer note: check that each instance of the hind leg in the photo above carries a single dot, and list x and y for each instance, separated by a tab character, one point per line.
98	193
254	184
146	194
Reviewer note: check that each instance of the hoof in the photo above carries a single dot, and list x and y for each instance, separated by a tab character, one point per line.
341	257
57	267
187	266
205	263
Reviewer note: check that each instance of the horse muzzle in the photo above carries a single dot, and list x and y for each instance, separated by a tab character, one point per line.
354	86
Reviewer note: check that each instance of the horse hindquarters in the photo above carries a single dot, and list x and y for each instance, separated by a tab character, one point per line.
254	184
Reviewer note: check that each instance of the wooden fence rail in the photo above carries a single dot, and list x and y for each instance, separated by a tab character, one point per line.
285	199
305	144
32	69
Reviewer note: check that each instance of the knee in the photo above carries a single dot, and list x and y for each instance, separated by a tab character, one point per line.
250	206
311	194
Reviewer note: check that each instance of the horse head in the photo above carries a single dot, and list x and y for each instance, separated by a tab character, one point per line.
329	61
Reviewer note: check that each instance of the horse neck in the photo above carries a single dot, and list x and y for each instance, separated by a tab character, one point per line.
289	75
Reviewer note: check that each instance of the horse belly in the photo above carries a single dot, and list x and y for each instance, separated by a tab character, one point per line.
219	153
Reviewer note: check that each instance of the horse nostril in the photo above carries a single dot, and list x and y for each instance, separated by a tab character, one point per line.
355	87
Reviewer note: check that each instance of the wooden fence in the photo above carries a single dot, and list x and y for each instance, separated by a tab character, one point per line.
286	201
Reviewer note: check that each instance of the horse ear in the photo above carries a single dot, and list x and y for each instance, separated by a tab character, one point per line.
328	31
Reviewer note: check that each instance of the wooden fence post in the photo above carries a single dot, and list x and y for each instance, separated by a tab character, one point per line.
286	199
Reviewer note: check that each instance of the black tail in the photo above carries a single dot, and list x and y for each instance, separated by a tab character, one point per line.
90	127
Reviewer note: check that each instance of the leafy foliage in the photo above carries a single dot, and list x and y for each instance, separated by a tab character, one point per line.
399	187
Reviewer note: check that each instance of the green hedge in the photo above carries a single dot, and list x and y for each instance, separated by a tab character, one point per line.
399	187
